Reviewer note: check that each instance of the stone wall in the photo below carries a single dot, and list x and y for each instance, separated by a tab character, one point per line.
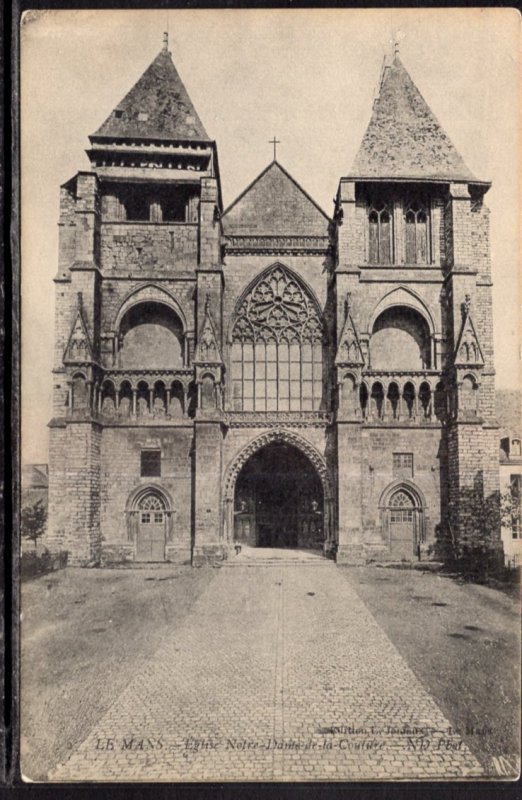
366	471
145	248
120	479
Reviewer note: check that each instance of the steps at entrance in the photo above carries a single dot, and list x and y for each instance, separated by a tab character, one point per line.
276	556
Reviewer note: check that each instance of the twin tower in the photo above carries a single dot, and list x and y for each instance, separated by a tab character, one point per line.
267	374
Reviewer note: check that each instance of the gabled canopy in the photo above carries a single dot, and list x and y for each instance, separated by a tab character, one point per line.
404	140
275	205
79	348
157	107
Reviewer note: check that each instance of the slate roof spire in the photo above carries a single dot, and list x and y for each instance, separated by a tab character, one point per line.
157	107
404	140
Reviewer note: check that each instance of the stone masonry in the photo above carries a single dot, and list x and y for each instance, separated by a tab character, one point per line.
363	340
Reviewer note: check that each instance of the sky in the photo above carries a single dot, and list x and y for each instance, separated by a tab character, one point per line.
307	76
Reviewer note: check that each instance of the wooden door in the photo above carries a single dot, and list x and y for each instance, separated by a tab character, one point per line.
150	545
402	534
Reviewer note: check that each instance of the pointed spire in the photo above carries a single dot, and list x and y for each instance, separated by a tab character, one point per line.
349	352
467	351
157	107
403	138
79	349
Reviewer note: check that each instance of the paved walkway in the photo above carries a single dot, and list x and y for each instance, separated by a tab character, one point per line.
280	673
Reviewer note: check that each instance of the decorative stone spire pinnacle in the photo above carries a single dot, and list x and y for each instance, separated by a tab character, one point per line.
347	305
468	351
349	351
165	42
207	349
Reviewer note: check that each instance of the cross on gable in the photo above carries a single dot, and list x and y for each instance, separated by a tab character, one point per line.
275	142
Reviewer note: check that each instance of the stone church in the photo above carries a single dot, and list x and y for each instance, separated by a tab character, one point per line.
267	374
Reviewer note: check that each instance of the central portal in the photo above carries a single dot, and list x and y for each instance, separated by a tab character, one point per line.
279	500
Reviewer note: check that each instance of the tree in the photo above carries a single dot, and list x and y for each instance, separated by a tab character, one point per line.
34	518
510	507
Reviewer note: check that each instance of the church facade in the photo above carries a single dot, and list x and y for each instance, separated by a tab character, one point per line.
266	374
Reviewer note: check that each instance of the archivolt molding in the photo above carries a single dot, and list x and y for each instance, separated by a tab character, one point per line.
135	496
409	486
150	292
401	296
281	435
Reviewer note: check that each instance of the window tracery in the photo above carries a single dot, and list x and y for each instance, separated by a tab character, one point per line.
277	344
151	502
401	507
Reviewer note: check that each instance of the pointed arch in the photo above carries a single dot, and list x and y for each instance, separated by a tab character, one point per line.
138	495
403	518
151	293
276	338
307	289
401	296
236	464
289	437
403	484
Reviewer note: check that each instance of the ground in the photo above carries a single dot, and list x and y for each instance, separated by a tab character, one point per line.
278	671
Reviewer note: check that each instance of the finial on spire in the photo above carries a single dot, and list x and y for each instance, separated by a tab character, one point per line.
165	42
466	305
396	46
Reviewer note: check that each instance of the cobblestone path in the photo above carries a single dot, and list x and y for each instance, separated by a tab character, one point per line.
280	673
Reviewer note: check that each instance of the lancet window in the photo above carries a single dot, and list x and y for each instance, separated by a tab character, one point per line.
416	233
380	233
277	347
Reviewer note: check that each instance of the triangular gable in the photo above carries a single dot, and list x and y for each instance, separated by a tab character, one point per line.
404	139
207	349
468	352
157	107
274	204
349	352
79	349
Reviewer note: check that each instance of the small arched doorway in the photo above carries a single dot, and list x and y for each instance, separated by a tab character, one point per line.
403	511
151	527
279	499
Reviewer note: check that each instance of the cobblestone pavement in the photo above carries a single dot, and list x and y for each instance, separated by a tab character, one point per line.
279	673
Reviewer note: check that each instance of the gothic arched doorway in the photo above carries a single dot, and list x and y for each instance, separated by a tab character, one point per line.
151	532
279	499
404	520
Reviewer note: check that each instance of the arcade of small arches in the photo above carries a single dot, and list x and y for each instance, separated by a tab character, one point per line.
399	398
160	398
278	352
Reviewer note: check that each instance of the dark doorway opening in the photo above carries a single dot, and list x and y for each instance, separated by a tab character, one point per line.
279	500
